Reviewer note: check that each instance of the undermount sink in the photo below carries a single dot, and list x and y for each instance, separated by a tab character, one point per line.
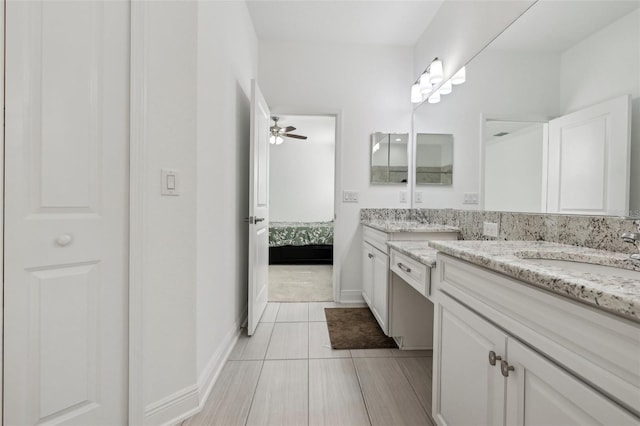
588	268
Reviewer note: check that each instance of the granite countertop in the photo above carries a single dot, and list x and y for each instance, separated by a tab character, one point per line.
408	226
614	294
416	250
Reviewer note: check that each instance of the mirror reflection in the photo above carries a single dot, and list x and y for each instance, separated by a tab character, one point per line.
434	159
568	102
389	158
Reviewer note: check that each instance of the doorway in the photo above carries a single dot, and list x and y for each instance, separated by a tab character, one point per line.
302	208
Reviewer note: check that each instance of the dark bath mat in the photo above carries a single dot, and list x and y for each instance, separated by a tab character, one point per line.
355	328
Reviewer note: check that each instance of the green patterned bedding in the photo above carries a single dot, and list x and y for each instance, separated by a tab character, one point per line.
300	233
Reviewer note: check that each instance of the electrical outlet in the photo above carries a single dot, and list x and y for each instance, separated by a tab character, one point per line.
470	198
418	195
490	229
403	196
349	196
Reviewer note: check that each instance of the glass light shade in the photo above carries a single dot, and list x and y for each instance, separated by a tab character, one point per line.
434	98
425	85
416	94
446	88
279	140
435	71
272	139
459	77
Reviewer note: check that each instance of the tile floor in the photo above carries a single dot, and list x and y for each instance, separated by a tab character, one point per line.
287	374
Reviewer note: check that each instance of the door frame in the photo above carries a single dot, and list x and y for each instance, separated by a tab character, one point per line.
2	183
337	113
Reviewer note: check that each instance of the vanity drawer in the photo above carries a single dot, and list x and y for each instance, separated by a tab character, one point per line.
414	273
376	238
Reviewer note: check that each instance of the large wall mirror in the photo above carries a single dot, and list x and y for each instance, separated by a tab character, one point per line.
549	117
434	159
389	158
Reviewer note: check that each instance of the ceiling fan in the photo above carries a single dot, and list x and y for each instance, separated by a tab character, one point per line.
277	133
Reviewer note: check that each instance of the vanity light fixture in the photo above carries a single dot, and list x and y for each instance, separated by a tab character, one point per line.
416	94
435	71
425	84
446	88
459	77
434	98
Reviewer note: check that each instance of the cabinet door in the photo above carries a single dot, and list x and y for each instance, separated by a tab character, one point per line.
541	393
367	274
468	390
381	289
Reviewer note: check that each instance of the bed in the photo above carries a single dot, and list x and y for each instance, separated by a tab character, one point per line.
301	243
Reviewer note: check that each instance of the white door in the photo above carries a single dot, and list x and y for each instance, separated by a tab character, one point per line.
468	389
66	217
258	208
589	161
541	393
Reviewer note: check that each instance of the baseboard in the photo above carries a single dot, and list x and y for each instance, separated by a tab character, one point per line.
351	296
167	410
211	372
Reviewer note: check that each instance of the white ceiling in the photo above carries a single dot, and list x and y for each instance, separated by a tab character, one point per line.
556	25
378	22
319	129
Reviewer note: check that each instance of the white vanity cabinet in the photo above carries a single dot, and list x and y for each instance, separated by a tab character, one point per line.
375	282
499	359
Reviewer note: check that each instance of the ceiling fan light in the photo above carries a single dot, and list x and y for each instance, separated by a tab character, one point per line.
446	88
435	71
425	85
416	94
272	139
279	140
434	98
459	77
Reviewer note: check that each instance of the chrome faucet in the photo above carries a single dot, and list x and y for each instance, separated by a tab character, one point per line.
633	238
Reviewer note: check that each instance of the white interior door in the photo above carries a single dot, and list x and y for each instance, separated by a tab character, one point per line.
258	208
66	217
589	161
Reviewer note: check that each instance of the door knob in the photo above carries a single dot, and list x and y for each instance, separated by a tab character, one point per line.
259	219
64	240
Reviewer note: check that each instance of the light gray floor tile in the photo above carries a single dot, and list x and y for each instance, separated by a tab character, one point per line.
418	372
230	398
293	312
320	344
282	394
254	347
316	310
412	354
289	340
335	398
389	397
372	353
298	283
270	312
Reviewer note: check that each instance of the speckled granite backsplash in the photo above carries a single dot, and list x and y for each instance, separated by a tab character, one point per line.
597	232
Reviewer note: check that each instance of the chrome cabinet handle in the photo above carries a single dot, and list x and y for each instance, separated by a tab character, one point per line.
404	268
64	240
370	256
505	368
493	358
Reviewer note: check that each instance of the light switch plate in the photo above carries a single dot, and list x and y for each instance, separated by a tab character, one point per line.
403	196
418	195
490	229
170	184
349	196
470	198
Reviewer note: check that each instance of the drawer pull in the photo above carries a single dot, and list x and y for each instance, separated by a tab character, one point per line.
493	358
370	255
404	268
505	368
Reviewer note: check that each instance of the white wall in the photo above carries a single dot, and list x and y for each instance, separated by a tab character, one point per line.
301	181
499	85
370	86
227	61
601	67
169	244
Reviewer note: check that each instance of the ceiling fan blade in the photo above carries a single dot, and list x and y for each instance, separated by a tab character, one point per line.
288	129
291	135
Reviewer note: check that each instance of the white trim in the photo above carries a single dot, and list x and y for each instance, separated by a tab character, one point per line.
351	296
2	42
137	147
168	410
337	190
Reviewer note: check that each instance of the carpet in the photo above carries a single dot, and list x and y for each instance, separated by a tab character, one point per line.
300	283
355	328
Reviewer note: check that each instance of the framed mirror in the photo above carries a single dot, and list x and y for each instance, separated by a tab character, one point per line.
530	85
434	159
389	158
